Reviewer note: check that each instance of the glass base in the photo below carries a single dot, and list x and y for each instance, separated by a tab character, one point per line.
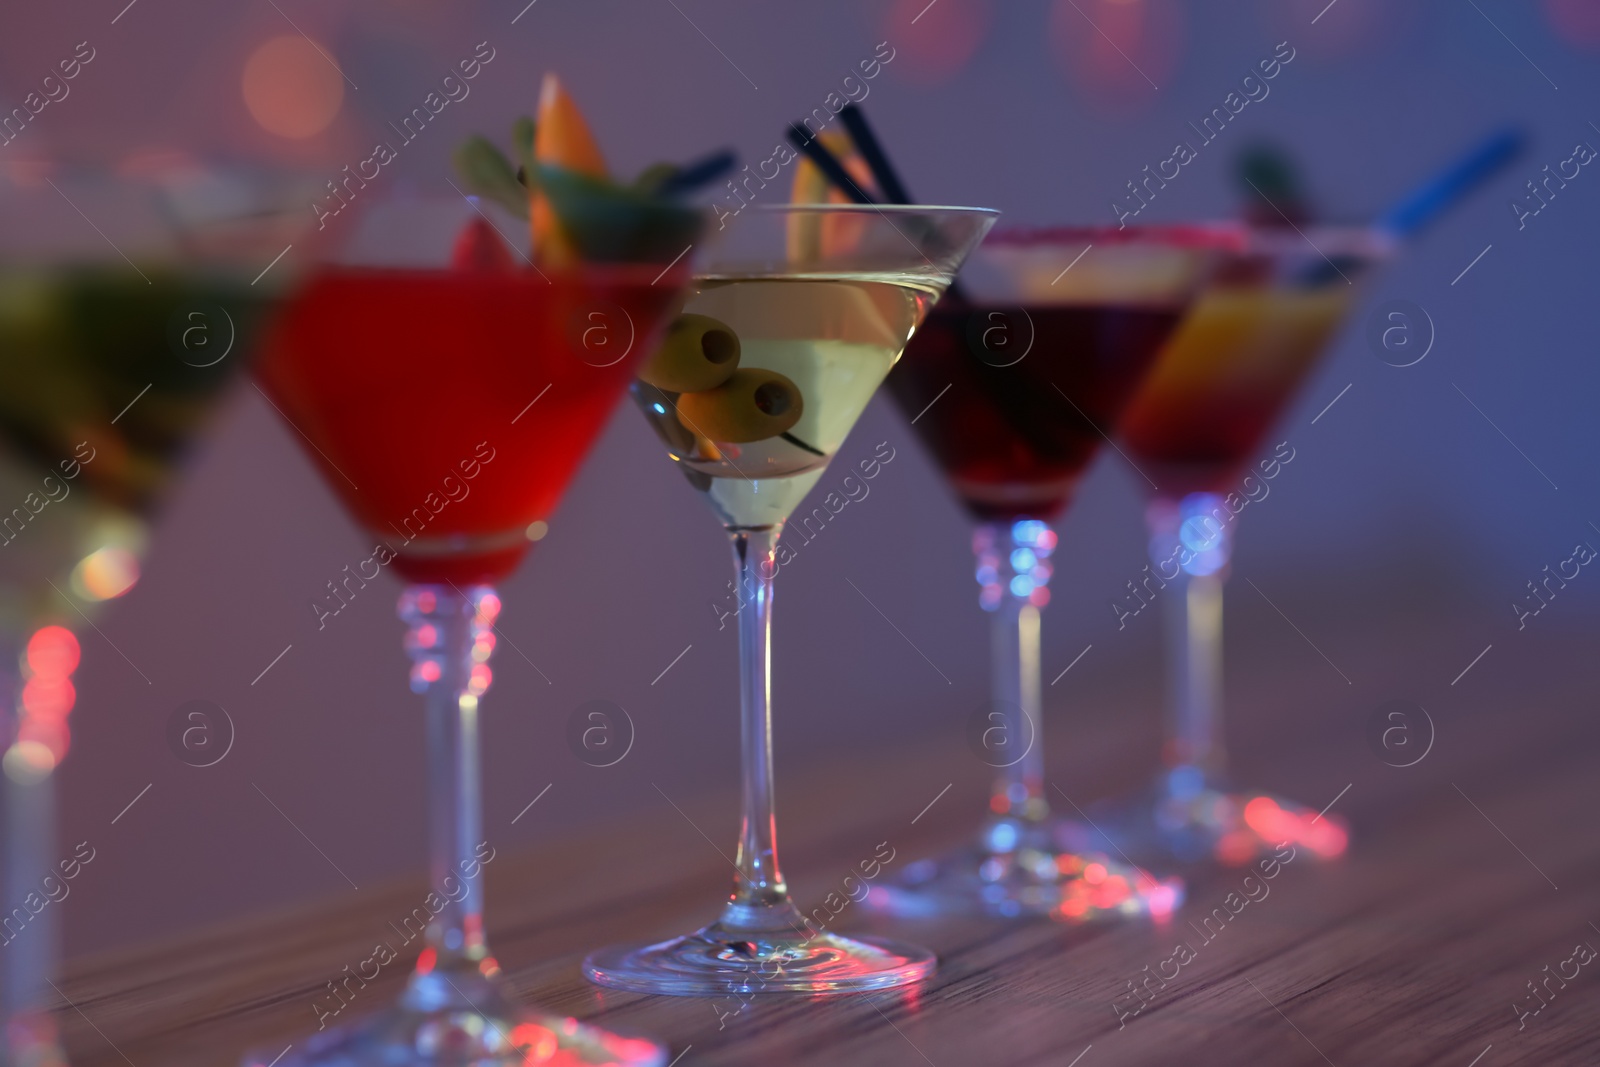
481	1030
1047	868
1178	821
31	1041
716	961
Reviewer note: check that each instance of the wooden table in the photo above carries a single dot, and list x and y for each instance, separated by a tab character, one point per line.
1411	950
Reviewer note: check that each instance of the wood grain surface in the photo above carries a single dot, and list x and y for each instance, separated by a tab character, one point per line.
1468	874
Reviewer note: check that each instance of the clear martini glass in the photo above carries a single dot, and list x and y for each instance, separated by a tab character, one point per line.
1198	422
126	313
448	400
790	329
1014	392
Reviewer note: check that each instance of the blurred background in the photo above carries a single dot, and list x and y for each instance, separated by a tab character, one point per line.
1434	491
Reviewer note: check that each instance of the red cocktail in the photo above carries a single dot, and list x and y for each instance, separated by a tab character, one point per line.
448	403
449	409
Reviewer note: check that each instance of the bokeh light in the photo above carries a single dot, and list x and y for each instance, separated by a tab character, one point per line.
291	87
540	1043
1163	900
105	573
933	43
28	762
1117	52
1577	21
1348	28
488	608
49	697
53	652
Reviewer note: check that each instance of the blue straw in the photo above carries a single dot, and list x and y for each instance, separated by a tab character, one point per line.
1432	198
1441	192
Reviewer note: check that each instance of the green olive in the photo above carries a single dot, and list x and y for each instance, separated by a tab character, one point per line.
752	405
698	353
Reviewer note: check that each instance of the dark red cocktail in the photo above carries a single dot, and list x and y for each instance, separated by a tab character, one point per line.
1014	440
1013	390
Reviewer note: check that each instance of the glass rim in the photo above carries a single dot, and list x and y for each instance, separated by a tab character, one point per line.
1346	238
618	272
1225	236
1363	239
877	209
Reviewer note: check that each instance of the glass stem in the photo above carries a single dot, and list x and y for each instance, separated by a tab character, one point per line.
1194	648
1194	753
1013	570
31	951
449	638
1018	789
760	900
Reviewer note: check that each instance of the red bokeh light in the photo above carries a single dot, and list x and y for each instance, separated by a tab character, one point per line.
53	652
489	608
1577	21
291	87
1117	52
935	42
48	697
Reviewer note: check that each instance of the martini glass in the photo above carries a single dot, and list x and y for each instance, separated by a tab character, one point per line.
81	486
114	354
801	314
1197	423
1013	393
448	408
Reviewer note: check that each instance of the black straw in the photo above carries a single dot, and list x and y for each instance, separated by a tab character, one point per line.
883	172
827	163
872	153
693	175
